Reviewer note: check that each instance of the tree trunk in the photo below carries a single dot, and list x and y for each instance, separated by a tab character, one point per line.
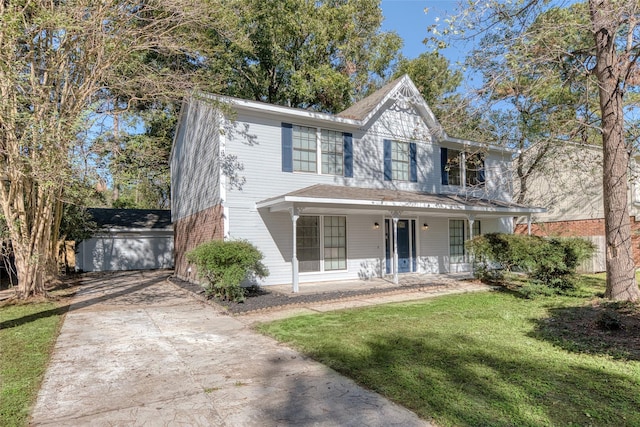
30	233
621	281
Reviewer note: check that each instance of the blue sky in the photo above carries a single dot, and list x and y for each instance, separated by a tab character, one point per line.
408	19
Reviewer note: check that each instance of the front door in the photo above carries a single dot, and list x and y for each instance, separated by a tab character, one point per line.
406	245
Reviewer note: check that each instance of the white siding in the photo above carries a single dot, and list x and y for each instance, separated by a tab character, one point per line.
195	176
433	254
272	233
568	182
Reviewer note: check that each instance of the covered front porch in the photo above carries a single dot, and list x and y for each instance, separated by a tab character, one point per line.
406	282
391	226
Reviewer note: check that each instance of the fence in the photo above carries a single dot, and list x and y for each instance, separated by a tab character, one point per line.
597	263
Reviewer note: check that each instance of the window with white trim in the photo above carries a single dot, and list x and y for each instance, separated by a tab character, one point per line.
315	150
308	243
324	251
453	169
335	243
462	168
332	152
400	160
458	234
304	149
474	169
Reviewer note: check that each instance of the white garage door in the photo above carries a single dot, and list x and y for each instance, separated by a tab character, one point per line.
125	252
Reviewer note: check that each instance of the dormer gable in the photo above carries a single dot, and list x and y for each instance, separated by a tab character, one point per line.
399	95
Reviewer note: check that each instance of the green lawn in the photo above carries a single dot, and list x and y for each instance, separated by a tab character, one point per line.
482	359
27	335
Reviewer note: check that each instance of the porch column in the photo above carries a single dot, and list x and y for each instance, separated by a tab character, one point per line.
471	219
295	214
395	216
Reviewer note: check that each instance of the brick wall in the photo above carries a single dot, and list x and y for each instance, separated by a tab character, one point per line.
193	230
581	228
584	227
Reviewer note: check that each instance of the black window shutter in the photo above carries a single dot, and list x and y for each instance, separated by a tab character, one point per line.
413	167
443	166
287	147
387	160
481	177
348	154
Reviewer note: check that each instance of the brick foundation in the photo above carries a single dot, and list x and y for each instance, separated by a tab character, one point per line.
190	232
582	228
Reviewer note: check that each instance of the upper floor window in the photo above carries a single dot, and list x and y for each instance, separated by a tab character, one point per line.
304	147
459	167
332	152
474	169
452	169
400	161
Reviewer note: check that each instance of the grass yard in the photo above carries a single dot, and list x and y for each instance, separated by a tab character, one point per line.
485	359
27	335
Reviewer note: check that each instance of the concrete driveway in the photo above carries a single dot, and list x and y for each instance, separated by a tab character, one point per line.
137	350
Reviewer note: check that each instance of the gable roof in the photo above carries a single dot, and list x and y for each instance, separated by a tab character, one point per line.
401	90
131	219
364	107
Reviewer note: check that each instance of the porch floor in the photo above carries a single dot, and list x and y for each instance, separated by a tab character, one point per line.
384	284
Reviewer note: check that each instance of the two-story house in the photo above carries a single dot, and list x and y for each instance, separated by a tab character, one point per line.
378	189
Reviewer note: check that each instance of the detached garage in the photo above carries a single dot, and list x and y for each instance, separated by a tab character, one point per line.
127	239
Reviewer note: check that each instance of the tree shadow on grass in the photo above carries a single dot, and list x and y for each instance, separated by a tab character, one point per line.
461	381
601	328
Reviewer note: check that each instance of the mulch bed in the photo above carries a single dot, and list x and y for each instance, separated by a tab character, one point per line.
262	299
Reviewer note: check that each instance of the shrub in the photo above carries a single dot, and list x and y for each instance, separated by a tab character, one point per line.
225	265
548	261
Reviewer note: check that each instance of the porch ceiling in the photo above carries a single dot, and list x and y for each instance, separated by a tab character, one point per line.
338	199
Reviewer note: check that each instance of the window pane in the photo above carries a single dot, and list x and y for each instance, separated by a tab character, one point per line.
456	240
332	159
400	160
335	244
308	243
476	229
453	167
304	149
474	164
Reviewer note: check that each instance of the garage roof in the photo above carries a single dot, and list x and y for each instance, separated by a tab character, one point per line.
128	219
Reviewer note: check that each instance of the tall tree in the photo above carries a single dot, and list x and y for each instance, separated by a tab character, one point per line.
58	61
137	162
319	55
539	102
617	46
316	55
612	62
